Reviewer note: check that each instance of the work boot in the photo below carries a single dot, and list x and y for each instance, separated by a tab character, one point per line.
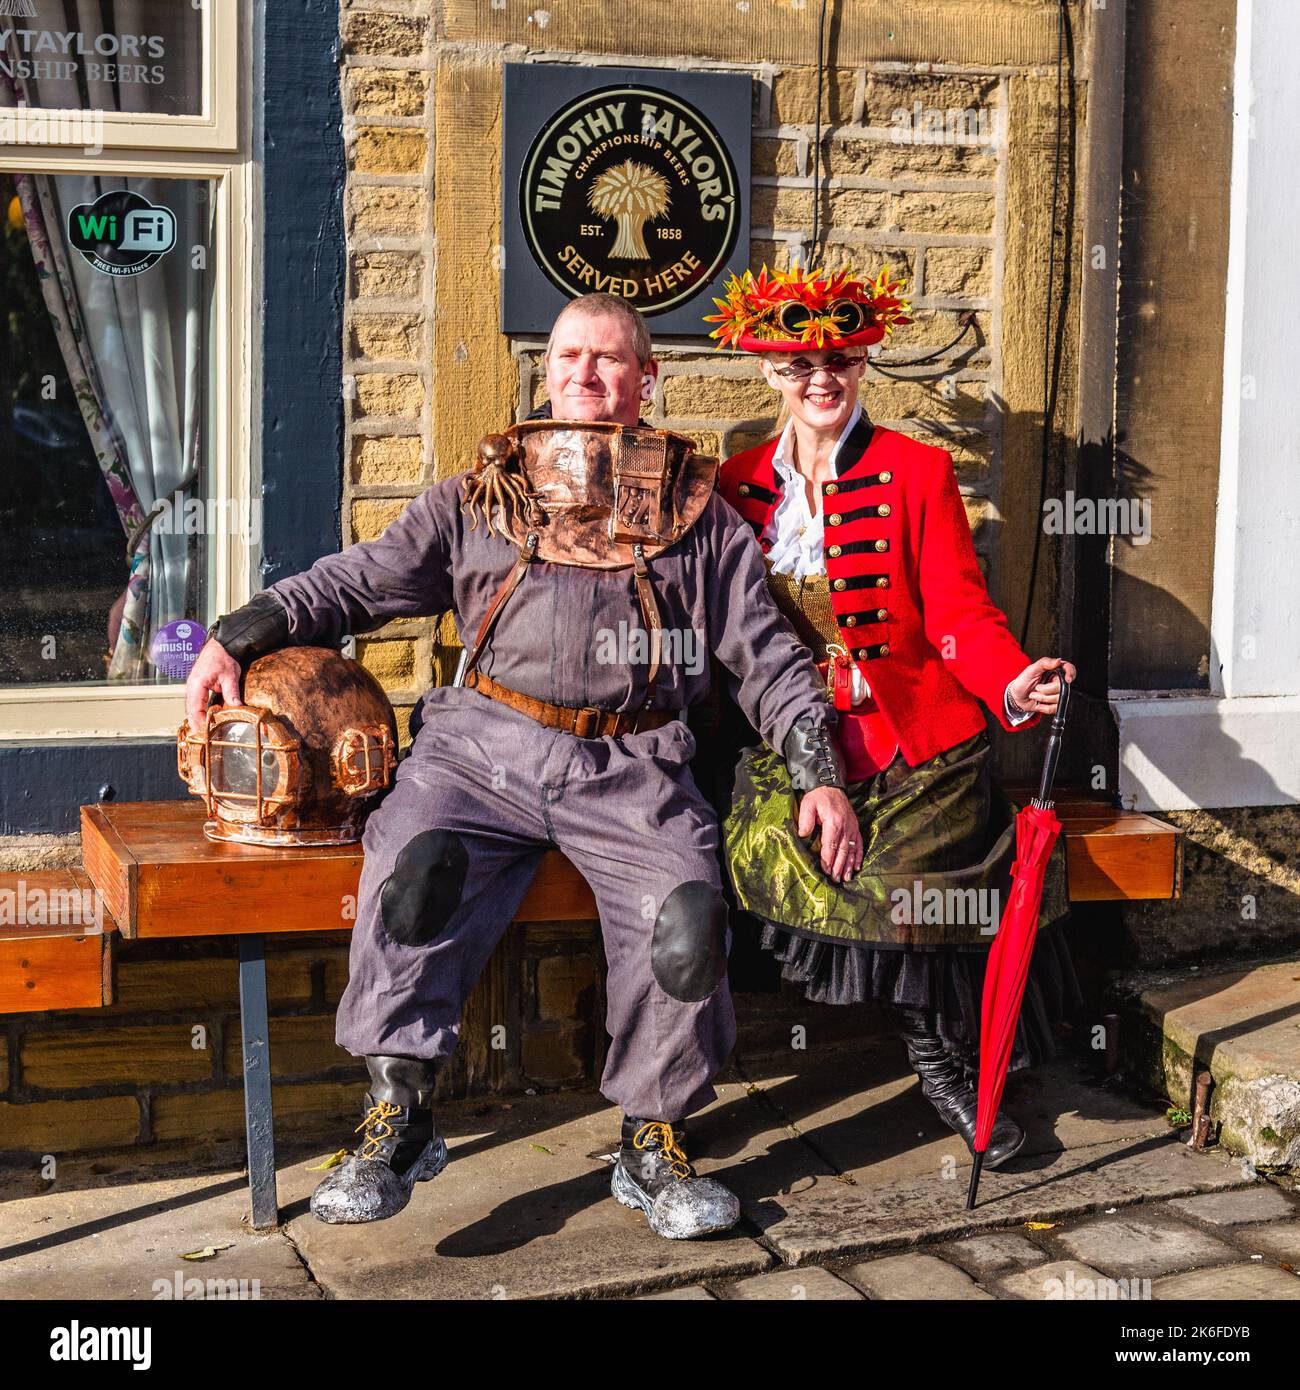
948	1086
401	1146
653	1174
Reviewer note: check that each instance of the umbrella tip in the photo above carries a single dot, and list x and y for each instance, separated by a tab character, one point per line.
974	1182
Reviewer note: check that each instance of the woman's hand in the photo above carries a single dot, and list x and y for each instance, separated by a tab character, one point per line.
1036	691
841	838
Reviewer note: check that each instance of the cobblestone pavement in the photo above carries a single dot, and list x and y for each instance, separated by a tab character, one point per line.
1242	1244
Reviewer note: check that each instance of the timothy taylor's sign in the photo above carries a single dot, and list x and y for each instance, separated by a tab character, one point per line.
628	182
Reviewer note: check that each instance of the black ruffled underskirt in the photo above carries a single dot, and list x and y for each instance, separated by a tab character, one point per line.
946	981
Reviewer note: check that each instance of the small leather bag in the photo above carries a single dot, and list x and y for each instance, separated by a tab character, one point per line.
867	743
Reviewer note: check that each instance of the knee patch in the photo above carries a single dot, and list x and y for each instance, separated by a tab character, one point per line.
688	950
424	889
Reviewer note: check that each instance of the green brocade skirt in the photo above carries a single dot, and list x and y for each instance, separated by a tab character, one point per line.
939	841
914	925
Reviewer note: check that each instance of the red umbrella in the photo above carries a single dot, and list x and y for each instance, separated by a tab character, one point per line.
1037	829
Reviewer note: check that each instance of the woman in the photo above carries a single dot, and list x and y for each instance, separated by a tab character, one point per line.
869	554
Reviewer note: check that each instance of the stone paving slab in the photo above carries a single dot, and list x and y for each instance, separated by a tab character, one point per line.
523	1210
1262	1202
692	1293
1143	1245
991	1256
1254	1281
912	1277
1279	1240
832	1218
1054	1281
794	1285
89	1238
861	1108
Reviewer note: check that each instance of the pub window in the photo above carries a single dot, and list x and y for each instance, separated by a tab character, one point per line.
126	512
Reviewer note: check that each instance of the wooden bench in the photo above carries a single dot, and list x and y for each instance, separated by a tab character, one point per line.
161	877
56	951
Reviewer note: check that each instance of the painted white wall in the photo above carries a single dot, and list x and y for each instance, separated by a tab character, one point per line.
1255	620
1240	744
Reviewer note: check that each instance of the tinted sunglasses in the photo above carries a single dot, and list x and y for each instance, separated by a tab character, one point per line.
801	369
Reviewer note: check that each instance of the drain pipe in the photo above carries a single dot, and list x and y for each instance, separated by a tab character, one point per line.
1201	1112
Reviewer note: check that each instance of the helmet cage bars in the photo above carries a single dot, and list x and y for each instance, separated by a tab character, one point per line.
249	769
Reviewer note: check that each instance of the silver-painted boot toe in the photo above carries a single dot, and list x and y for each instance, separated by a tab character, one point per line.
653	1175
363	1189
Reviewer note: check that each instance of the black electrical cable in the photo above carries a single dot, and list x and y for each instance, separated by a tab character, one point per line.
897	368
817	138
1061	20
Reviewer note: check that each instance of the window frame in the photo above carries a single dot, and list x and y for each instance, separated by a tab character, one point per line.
217	128
41	713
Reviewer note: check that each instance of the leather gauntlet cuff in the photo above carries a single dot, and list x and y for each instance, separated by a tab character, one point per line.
260	626
812	755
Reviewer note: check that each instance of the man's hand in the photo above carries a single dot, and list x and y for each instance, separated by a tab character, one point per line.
215	669
1037	692
841	838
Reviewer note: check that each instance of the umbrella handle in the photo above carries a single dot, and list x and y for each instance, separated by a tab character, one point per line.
1054	739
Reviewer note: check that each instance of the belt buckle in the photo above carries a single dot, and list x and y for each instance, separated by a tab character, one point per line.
586	721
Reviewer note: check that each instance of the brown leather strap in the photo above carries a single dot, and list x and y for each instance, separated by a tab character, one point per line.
650	612
588	722
527	553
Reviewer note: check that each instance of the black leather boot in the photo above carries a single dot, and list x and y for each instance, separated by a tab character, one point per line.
947	1085
401	1146
654	1175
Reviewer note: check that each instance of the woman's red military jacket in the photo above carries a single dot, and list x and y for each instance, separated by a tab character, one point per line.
907	591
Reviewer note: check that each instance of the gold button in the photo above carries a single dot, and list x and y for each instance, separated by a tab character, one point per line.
850	621
884	649
743	489
886	477
882	582
834	552
883	509
834	519
862	653
831	489
882	545
881	614
841	584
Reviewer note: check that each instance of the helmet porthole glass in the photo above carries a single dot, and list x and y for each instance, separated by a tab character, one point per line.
240	744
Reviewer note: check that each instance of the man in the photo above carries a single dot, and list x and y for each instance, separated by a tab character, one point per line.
549	743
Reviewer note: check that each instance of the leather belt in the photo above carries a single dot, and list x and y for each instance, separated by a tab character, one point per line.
587	722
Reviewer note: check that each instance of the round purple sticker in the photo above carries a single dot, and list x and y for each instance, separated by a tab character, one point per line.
176	647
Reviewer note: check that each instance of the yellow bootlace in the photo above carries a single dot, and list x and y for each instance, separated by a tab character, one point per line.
377	1127
660	1133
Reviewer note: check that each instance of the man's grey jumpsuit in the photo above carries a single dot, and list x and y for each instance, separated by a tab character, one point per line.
452	847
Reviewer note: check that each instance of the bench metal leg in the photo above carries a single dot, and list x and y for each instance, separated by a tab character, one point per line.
258	1121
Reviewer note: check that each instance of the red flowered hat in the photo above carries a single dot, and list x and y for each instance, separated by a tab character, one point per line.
790	309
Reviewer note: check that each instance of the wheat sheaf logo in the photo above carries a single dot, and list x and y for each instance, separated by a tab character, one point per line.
17	9
632	195
630	191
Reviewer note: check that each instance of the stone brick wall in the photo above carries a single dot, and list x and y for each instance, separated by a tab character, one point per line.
163	1064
